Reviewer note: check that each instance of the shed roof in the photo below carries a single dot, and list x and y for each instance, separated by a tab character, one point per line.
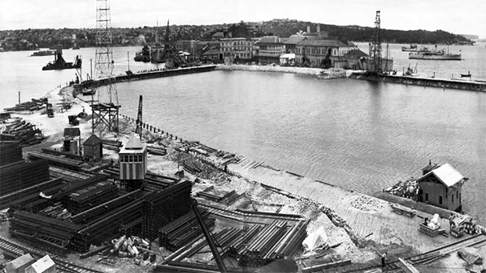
355	53
43	264
447	175
328	43
93	140
23	260
72	132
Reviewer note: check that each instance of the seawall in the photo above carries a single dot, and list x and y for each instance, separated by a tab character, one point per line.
421	81
270	68
149	74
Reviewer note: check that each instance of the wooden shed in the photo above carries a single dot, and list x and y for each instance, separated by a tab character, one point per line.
93	148
20	264
133	163
72	140
441	187
43	265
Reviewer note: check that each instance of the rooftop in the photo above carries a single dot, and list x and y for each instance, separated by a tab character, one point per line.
327	43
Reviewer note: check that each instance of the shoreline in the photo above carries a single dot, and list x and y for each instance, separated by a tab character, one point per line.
364	219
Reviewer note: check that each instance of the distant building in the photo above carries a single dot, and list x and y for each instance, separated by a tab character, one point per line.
354	59
269	49
318	52
237	49
213	55
441	186
291	43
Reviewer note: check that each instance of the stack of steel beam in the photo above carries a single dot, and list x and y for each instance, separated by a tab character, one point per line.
44	230
255	251
290	243
164	206
91	196
236	248
186	228
18	176
10	152
26	196
107	226
91	214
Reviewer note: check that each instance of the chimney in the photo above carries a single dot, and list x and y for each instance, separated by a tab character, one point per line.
308	29
318	28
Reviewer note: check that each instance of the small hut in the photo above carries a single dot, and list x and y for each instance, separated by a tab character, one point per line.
133	163
72	140
441	186
93	148
20	264
43	265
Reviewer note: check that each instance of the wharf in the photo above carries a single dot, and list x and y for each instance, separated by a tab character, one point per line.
423	81
369	218
149	74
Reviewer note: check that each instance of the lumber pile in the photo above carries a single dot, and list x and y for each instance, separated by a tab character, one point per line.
22	175
19	129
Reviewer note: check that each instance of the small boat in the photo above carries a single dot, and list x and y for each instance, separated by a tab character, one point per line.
468	75
43	53
412	48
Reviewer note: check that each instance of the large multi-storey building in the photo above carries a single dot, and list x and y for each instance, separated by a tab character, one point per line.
236	49
269	49
320	53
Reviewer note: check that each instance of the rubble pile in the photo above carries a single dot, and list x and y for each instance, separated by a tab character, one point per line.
367	203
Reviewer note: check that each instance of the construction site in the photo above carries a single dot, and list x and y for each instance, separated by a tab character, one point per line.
101	191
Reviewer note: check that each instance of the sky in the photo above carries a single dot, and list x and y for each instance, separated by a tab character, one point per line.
459	17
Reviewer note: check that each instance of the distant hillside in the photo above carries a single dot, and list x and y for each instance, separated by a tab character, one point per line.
29	39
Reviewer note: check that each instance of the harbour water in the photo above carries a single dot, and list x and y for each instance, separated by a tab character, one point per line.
359	135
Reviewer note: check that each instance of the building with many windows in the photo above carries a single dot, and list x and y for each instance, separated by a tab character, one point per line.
269	49
237	49
320	53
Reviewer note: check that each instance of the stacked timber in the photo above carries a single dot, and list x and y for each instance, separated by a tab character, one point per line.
28	197
10	152
15	177
19	129
183	230
91	196
47	232
163	206
33	105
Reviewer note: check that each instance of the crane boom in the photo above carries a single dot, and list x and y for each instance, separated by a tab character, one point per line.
138	129
208	236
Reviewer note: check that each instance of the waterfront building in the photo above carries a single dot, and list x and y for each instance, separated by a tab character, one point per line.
353	59
72	140
441	186
213	55
319	53
269	49
238	49
133	163
93	148
291	43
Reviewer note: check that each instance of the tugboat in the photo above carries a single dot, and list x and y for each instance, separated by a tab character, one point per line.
59	62
144	55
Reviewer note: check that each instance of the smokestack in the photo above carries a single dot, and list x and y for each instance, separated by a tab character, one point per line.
308	29
318	28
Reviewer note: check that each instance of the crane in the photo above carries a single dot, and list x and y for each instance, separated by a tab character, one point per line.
138	129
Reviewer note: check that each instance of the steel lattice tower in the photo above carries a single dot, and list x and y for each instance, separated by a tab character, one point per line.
105	110
375	48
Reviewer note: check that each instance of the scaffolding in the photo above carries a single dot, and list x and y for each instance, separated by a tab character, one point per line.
105	109
375	46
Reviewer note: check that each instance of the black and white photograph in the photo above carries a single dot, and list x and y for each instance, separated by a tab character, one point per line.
242	136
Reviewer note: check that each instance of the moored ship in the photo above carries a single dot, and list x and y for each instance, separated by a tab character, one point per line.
59	62
412	48
434	55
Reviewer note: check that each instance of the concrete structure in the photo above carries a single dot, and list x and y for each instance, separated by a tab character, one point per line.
72	140
20	264
269	49
133	163
43	265
319	53
441	186
93	148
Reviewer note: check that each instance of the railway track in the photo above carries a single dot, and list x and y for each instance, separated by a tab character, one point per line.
431	256
15	249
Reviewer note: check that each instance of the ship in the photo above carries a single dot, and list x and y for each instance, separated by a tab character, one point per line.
434	55
143	56
43	53
59	62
